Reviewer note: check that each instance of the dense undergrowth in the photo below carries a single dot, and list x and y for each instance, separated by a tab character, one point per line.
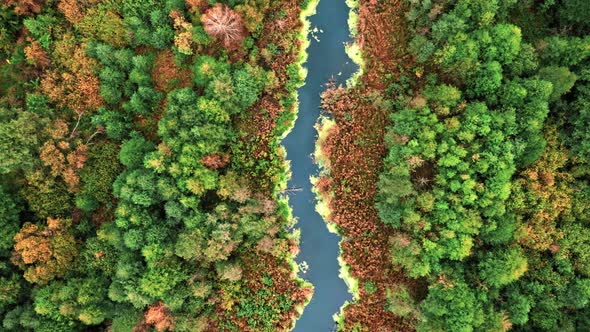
140	164
350	151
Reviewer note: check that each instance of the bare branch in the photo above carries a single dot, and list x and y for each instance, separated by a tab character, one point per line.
222	23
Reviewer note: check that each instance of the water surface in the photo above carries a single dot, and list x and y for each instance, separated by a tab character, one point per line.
319	248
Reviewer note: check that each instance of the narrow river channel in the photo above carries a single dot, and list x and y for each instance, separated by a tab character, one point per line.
319	247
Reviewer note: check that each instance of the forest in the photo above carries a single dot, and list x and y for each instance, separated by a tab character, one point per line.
486	176
143	180
456	166
140	165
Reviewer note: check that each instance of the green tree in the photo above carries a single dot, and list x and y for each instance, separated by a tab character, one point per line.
9	220
450	308
133	151
206	68
502	266
561	78
19	138
98	176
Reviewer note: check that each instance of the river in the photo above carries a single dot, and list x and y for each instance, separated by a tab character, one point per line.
318	247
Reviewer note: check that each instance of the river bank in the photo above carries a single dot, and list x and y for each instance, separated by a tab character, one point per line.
349	151
326	58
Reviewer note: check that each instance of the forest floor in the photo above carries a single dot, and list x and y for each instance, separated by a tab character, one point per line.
354	150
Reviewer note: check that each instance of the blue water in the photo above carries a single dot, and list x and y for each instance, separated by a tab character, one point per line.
319	247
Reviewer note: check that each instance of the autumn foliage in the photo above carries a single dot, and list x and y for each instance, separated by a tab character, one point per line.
72	10
544	189
352	184
75	85
167	75
153	153
44	252
216	160
265	274
160	317
64	161
37	55
353	150
197	5
25	7
381	31
183	39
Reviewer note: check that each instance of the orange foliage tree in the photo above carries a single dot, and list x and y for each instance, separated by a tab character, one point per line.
73	10
542	194
223	24
183	39
44	252
64	161
36	55
159	316
72	83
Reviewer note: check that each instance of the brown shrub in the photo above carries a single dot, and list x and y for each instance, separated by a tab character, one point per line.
25	7
354	172
167	75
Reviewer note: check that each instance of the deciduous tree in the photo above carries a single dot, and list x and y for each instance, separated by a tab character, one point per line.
222	23
44	252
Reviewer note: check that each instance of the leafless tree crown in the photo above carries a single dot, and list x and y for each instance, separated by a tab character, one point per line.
222	23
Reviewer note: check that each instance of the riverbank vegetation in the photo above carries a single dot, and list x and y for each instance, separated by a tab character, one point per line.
350	152
140	165
483	189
